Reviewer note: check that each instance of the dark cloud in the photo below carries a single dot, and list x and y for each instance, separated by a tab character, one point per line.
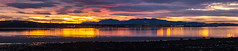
31	5
141	8
21	12
210	13
127	14
64	10
40	0
67	1
96	10
46	19
36	12
107	2
5	17
157	8
160	1
77	11
44	13
188	1
199	19
57	20
79	5
97	2
199	13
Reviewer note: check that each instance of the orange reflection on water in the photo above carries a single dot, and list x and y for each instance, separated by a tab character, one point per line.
230	35
80	32
122	32
205	32
160	32
116	32
65	32
38	32
168	32
177	31
127	32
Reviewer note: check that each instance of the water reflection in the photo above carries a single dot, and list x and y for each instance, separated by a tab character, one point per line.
177	31
204	32
37	32
230	35
129	32
168	32
160	32
65	32
80	32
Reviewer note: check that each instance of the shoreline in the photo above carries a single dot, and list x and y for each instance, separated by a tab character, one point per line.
30	39
211	44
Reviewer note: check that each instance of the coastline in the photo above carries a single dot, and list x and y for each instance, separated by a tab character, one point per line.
211	44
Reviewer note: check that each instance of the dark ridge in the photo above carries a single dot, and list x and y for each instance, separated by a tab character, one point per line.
110	23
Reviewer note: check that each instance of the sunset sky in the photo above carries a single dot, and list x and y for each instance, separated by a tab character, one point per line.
78	11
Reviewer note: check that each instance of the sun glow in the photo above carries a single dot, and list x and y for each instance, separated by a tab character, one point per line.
63	19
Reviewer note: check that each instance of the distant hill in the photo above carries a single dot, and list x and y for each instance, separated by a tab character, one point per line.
15	23
111	23
157	22
23	24
147	22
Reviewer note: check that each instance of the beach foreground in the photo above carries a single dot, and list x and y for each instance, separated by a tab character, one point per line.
211	44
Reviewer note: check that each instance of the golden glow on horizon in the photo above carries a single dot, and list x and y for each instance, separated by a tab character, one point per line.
2	19
75	19
63	19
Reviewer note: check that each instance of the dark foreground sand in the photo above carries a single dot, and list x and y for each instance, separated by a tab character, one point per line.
212	44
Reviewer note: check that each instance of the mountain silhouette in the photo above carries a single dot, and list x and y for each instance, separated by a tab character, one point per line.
145	22
111	23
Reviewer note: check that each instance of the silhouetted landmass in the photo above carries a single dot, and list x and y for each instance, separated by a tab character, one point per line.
147	22
151	22
112	23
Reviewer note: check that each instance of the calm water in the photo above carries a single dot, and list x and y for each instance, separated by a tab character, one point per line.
228	31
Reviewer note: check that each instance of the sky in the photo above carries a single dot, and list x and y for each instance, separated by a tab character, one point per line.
78	11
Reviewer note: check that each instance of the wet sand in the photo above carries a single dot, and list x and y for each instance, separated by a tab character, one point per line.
211	44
